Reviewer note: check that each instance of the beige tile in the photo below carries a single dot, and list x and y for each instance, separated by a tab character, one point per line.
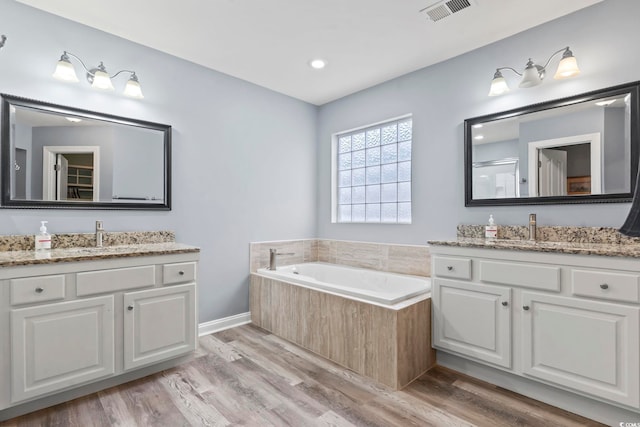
327	251
310	250
358	254
415	260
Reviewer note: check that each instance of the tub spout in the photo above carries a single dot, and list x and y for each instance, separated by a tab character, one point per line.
273	253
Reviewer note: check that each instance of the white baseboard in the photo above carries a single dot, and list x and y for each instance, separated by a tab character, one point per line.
218	325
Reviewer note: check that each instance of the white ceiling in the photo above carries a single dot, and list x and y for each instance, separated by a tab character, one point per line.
270	43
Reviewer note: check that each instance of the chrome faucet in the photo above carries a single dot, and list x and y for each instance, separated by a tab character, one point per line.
272	257
532	226
99	233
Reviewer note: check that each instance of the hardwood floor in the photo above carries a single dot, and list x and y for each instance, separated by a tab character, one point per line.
246	376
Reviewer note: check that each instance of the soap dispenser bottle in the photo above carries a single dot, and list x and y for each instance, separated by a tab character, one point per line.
491	230
43	239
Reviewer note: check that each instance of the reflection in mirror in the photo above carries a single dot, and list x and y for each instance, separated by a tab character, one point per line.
63	157
579	149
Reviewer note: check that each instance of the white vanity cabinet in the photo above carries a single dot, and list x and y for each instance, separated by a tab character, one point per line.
66	325
570	321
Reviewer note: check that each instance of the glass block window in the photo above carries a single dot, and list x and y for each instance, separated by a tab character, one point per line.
373	174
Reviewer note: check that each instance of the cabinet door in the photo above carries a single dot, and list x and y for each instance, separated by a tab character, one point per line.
55	346
473	320
586	345
159	324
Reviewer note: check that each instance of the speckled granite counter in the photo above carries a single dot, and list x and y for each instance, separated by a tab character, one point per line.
18	250
602	249
29	257
603	241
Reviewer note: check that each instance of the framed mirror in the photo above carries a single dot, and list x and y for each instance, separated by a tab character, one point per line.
581	149
53	156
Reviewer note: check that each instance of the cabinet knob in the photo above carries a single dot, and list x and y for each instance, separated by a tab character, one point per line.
39	290
505	303
181	273
130	308
525	307
449	267
604	286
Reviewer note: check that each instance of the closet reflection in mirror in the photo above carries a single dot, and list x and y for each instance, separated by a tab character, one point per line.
567	151
66	157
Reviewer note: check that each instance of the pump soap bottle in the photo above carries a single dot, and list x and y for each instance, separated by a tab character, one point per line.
491	230
43	239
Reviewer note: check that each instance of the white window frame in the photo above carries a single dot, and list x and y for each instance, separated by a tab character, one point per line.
335	169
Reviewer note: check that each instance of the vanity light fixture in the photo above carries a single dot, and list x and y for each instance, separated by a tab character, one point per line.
98	77
533	74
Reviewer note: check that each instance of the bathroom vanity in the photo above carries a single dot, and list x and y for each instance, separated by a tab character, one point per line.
88	318
562	314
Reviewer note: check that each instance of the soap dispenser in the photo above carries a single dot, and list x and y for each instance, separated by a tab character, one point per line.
43	239
491	230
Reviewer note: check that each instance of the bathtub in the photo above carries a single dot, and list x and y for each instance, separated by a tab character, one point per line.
364	284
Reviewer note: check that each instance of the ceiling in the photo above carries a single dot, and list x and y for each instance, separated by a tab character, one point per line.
270	43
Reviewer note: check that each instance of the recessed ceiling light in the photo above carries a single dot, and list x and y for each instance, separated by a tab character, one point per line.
478	137
477	126
73	119
318	64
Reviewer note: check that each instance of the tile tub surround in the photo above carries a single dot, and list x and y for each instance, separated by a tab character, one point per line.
391	346
404	259
87	240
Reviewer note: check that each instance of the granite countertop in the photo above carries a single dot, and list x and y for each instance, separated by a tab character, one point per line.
30	257
580	248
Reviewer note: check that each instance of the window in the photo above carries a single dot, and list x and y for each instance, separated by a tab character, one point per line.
372	171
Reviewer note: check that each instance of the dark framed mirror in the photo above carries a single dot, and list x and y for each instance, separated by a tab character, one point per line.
580	149
52	156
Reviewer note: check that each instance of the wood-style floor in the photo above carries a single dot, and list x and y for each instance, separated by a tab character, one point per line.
246	376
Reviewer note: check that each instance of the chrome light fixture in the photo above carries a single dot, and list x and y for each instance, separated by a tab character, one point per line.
98	77
533	74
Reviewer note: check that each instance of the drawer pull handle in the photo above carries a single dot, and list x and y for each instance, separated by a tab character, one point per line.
39	290
181	273
525	307
130	308
505	303
604	286
450	267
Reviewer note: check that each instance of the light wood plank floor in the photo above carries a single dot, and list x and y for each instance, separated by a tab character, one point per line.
246	376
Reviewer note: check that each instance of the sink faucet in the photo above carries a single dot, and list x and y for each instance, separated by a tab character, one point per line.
532	226
99	233
272	257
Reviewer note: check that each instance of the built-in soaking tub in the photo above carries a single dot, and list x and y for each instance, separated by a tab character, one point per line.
375	323
366	285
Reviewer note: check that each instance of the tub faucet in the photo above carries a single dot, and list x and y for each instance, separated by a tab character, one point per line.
272	257
532	226
99	233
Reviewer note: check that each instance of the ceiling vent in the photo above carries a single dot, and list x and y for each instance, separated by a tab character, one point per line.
443	9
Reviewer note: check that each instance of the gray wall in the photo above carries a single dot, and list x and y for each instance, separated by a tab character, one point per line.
243	156
442	96
138	163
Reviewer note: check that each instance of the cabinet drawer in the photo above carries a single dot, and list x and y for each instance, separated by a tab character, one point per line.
178	273
36	289
605	285
458	268
521	274
101	281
